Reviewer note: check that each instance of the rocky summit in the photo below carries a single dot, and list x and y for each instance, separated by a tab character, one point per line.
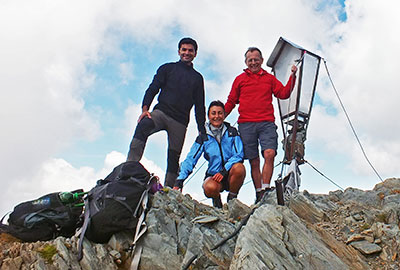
351	229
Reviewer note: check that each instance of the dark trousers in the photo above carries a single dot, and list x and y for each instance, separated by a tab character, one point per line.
176	136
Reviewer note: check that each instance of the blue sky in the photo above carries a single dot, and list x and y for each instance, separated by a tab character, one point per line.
73	76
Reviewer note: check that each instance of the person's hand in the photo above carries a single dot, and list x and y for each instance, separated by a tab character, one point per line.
294	69
218	177
144	114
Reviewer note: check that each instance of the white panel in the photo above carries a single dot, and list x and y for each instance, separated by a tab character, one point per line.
310	65
282	71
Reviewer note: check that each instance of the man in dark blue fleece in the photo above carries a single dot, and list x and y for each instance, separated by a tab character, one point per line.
181	88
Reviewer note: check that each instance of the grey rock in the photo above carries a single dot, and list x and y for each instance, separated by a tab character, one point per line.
90	261
204	219
391	212
184	228
392	199
175	238
40	265
195	245
237	210
309	232
159	252
106	261
368	198
386	232
355	237
66	254
350	221
10	264
115	254
59	263
388	186
384	254
325	202
306	209
366	247
358	216
335	196
275	238
121	241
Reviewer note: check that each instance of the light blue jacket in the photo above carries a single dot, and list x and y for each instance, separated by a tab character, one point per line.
220	156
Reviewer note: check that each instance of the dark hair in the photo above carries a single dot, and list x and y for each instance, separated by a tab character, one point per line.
252	49
188	40
216	103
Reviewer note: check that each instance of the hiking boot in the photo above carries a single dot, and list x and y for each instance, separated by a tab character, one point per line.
259	195
262	193
217	202
231	196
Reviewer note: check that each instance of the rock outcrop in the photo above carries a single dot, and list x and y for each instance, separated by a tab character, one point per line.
351	229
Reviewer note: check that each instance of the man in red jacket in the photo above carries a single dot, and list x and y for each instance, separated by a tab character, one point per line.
253	90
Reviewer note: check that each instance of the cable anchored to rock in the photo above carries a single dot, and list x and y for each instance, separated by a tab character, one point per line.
348	119
305	161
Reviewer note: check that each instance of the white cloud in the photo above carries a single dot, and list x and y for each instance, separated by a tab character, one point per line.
57	175
364	71
43	78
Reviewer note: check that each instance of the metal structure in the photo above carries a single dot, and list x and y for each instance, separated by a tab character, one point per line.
296	110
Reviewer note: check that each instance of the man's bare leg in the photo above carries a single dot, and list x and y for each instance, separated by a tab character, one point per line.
268	168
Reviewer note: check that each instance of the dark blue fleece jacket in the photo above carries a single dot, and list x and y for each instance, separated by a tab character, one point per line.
181	88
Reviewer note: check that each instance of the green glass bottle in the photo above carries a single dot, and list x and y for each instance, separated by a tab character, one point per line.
66	197
70	197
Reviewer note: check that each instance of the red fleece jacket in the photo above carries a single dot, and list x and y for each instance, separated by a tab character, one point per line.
253	92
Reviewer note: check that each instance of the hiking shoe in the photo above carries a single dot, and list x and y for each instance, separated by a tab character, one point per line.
230	197
259	195
217	202
262	193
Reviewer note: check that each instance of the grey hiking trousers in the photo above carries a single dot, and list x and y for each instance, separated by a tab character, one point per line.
176	136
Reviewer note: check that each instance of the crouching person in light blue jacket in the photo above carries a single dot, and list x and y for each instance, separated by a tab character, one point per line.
223	149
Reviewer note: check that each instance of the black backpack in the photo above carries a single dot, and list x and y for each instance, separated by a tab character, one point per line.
43	219
114	204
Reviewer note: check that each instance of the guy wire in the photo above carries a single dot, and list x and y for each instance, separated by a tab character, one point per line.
348	119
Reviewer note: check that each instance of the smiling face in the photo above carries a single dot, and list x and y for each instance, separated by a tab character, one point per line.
216	115
187	53
254	61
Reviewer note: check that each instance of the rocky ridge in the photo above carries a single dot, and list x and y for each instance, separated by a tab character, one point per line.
351	229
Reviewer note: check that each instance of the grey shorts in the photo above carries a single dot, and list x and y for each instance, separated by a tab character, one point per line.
254	133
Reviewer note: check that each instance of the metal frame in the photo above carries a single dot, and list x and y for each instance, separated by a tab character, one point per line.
293	119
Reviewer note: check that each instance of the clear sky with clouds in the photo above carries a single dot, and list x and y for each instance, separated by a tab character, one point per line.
73	75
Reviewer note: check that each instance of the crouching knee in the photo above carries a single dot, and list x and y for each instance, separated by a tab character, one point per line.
238	170
211	188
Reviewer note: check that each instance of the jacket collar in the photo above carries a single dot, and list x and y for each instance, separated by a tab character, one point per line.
225	126
185	65
261	72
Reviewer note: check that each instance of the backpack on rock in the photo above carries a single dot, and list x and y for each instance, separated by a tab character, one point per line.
45	218
115	203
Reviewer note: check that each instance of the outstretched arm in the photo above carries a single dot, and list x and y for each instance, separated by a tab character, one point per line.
190	162
233	98
283	92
